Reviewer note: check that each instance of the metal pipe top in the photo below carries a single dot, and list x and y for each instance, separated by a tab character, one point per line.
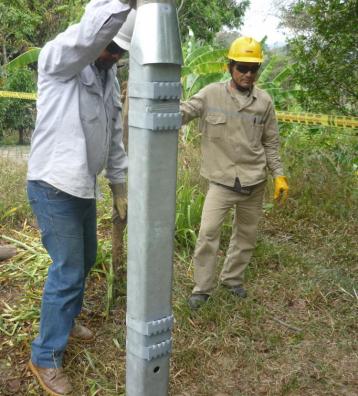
156	36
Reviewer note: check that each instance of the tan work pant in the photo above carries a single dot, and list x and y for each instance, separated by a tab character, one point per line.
219	200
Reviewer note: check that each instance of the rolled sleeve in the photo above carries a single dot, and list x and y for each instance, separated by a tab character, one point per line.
193	108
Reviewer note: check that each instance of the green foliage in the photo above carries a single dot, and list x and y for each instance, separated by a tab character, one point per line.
204	64
324	51
17	114
207	17
277	79
25	59
321	163
14	208
188	213
223	39
299	317
28	23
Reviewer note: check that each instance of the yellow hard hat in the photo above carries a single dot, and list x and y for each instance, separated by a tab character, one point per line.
245	49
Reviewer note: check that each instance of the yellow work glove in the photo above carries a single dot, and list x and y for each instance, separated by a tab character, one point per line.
119	193
281	189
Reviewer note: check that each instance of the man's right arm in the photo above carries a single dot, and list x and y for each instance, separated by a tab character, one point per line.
82	43
192	108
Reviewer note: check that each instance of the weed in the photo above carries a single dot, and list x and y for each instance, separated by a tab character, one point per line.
14	208
294	335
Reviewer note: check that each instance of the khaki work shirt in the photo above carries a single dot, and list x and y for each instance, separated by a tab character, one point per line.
239	134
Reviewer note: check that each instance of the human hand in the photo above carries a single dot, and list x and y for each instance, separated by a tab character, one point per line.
120	202
281	189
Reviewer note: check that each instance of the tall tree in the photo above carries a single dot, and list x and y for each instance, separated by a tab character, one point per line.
324	49
207	17
29	23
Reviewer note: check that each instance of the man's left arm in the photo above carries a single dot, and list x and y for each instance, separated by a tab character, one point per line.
117	163
82	43
271	144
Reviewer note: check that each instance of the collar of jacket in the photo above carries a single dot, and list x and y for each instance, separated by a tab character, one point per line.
249	99
90	77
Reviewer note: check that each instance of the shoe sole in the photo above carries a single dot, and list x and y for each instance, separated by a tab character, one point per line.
44	386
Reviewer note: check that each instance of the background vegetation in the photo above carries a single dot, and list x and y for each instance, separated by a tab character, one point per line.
296	332
324	48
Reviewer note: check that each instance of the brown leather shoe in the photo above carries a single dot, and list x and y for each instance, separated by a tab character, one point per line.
81	333
53	380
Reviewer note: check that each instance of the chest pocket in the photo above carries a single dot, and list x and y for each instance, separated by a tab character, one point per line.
90	100
215	125
256	135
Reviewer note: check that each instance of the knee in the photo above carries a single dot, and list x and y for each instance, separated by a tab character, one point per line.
209	232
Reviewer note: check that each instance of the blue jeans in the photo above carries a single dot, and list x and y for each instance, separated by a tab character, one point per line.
68	232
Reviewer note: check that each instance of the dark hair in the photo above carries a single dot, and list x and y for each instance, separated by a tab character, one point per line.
230	65
114	48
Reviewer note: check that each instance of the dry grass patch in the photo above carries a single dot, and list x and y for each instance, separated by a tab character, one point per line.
294	335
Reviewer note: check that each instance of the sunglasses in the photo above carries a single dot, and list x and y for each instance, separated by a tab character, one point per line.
245	69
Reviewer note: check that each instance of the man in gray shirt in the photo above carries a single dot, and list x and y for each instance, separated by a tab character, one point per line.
78	133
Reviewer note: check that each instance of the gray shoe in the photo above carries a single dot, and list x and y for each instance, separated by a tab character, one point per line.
197	300
237	291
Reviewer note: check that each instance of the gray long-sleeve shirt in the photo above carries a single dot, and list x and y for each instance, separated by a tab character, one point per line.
78	129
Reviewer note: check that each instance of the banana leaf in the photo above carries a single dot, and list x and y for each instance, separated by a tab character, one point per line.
210	56
24	59
192	55
205	68
266	72
286	72
200	82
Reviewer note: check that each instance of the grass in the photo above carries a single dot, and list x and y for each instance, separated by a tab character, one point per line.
14	208
294	335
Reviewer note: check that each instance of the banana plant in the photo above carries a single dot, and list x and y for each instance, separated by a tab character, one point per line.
202	65
205	64
28	57
277	85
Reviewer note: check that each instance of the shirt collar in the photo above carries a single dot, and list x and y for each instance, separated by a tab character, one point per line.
252	93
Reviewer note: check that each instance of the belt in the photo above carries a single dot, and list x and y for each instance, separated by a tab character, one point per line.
247	190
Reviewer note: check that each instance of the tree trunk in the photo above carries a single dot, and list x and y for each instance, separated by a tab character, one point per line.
4	53
118	225
21	136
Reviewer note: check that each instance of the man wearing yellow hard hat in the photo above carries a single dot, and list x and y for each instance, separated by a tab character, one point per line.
239	144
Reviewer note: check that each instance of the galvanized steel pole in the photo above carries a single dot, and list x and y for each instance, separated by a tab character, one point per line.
154	120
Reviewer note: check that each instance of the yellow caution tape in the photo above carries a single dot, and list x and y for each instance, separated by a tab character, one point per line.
18	95
284	116
318	119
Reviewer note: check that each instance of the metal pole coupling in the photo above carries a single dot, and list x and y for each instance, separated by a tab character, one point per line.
154	119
